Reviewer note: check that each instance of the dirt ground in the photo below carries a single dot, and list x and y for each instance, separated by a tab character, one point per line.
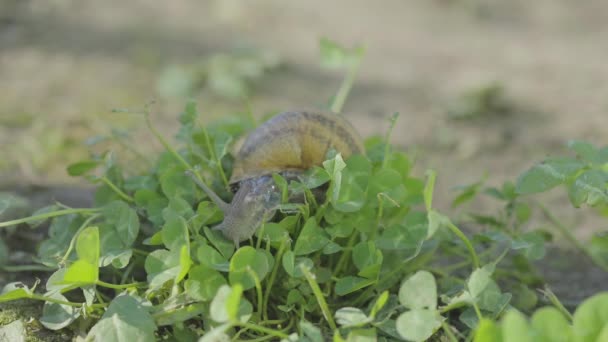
64	64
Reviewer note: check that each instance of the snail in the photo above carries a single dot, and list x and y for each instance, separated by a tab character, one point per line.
288	144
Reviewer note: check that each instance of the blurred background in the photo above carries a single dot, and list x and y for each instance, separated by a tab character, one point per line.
484	87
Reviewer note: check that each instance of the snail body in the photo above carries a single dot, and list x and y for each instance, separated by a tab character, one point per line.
289	143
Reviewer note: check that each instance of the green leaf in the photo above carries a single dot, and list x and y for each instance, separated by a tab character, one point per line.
291	264
531	244
161	266
551	324
203	283
14	291
311	239
229	305
233	301
585	151
408	235
429	188
247	258
80	168
225	247
334	56
362	335
591	318
589	187
351	317
184	263
368	259
334	166
206	213
479	279
86	269
153	203
126	320
311	332
57	316
273	232
598	247
547	175
467	193
174	231
174	183
145	182
379	304
419	291
113	251
436	221
515	328
210	257
351	284
418	324
487	331
218	308
124	220
180	315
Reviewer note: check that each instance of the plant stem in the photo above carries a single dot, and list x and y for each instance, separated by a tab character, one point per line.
218	163
345	87
467	243
166	144
49	215
261	329
27	268
120	286
555	301
67	253
570	237
258	290
272	277
62	302
114	188
448	332
387	145
345	255
319	296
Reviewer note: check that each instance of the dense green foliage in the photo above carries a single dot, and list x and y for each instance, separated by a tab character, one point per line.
374	261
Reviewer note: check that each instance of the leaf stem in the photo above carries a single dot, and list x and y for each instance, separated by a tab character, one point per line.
345	87
67	253
467	243
387	145
217	162
114	188
556	302
258	290
345	255
319	296
448	331
120	286
27	268
569	236
62	302
166	144
262	329
272	277
49	215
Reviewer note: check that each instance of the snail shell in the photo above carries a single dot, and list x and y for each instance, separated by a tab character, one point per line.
296	140
289	143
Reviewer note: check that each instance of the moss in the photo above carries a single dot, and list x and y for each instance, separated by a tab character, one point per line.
29	312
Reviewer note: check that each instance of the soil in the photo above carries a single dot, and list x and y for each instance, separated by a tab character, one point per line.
65	64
